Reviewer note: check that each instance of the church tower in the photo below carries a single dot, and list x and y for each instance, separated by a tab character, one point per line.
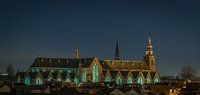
76	53
117	51
149	56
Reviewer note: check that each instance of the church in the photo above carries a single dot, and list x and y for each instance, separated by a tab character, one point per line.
77	70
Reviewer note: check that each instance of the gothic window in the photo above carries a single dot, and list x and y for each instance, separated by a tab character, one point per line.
38	81
43	70
95	73
68	77
129	80
107	79
49	79
140	80
27	81
52	71
33	70
76	81
119	81
156	80
84	76
148	80
37	70
59	79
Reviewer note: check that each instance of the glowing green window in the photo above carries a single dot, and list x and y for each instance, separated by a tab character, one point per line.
52	71
140	81
76	81
43	70
84	77
38	81
68	77
95	73
129	80
156	80
37	70
33	70
107	79
27	81
49	79
148	80
59	79
119	81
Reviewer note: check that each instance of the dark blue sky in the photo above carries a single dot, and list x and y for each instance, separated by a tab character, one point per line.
52	28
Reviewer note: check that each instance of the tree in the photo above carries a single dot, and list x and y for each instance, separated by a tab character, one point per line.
10	70
188	72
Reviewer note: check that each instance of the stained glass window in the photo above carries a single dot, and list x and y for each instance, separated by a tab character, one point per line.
95	73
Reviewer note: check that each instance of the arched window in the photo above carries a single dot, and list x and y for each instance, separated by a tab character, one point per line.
140	80
84	76
76	81
129	80
33	70
37	70
68	78
27	81
156	80
59	79
119	81
95	73
148	80
38	81
107	79
49	79
53	71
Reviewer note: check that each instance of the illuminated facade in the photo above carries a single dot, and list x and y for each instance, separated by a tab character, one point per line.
81	70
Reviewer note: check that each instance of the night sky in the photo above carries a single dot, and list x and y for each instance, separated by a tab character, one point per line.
52	28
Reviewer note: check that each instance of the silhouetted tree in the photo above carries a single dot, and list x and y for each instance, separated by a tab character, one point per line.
188	72
10	70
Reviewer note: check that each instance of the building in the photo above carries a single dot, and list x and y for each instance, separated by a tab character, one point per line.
78	70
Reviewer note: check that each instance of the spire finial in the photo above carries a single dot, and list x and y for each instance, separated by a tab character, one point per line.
117	48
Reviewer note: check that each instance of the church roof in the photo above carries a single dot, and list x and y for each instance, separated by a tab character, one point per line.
124	64
62	62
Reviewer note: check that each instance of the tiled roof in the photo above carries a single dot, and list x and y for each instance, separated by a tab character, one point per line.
61	62
124	64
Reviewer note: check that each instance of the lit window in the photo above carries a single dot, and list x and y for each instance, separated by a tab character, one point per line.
119	81
76	81
27	81
39	81
84	76
140	80
107	79
95	73
156	80
148	80
129	80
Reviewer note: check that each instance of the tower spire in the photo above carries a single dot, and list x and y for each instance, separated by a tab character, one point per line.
117	51
149	49
76	53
